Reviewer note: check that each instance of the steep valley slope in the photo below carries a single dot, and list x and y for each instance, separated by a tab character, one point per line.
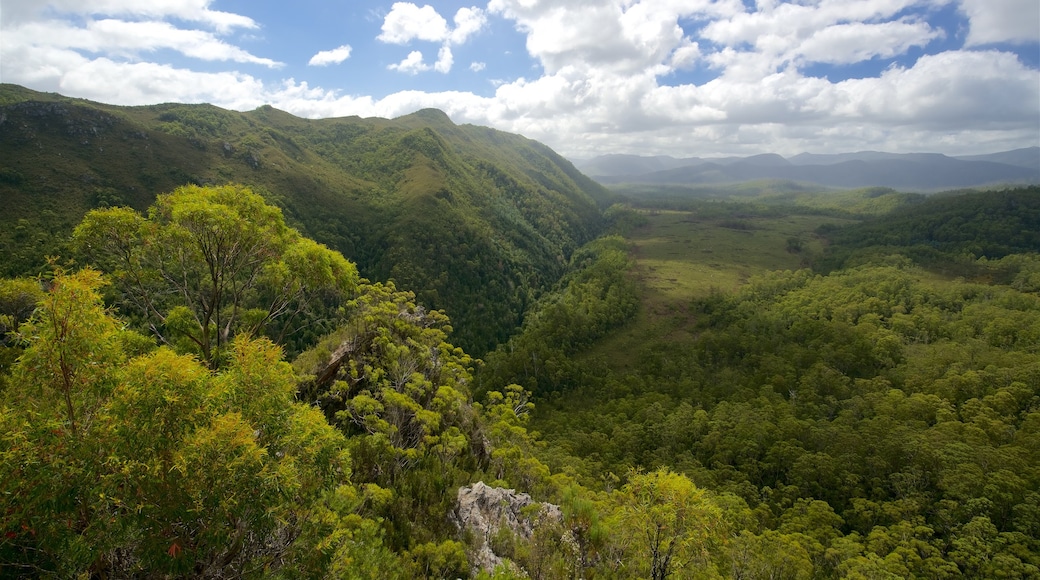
475	220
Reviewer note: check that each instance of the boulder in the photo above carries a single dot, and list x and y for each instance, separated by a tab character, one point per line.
484	511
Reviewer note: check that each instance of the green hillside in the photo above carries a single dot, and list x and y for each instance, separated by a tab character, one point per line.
760	381
946	231
476	220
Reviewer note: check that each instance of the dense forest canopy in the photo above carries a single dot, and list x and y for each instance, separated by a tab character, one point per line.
777	383
867	414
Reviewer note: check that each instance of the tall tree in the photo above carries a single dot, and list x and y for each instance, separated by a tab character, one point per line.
672	520
208	263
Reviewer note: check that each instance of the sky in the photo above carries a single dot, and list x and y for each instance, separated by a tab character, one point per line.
586	77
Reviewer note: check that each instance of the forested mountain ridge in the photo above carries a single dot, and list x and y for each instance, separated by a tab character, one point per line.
992	226
475	219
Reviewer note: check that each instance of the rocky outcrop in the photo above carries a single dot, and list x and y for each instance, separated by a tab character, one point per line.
484	511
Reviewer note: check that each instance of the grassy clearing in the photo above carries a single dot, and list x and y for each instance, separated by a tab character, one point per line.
680	256
867	201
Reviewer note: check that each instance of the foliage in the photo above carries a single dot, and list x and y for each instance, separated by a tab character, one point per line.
769	197
594	298
18	298
209	263
622	219
791	383
870	419
670	521
392	383
946	231
120	465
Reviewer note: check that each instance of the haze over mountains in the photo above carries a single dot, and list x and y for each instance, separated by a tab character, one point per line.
908	171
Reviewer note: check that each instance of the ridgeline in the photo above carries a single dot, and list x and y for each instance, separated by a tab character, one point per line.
477	219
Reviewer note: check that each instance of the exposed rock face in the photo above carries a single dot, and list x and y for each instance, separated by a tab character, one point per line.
484	511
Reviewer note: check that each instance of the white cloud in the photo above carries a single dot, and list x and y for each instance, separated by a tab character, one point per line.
444	60
132	30
955	89
334	56
832	31
188	10
686	56
468	21
407	22
798	21
1002	21
122	38
858	41
412	64
122	83
477	66
624	36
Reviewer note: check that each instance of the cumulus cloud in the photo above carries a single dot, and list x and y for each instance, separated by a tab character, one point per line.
686	56
407	22
444	60
607	34
334	56
477	66
127	83
412	64
859	41
114	30
602	60
468	21
1003	21
833	32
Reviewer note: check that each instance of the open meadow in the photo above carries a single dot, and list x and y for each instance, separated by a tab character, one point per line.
682	255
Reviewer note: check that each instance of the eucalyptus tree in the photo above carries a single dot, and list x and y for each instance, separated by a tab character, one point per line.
119	459
207	263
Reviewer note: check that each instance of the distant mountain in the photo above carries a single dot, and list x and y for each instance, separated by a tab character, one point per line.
908	171
476	221
835	158
1027	157
631	164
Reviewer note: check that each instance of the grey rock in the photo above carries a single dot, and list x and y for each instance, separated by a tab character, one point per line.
485	511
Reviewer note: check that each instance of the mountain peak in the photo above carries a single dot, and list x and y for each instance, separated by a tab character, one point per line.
431	116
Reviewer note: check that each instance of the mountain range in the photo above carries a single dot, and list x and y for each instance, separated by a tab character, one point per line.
477	221
906	171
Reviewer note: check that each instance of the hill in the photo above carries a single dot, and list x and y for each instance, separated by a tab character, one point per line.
943	231
478	219
911	171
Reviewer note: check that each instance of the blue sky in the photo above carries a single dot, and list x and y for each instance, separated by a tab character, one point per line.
587	77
